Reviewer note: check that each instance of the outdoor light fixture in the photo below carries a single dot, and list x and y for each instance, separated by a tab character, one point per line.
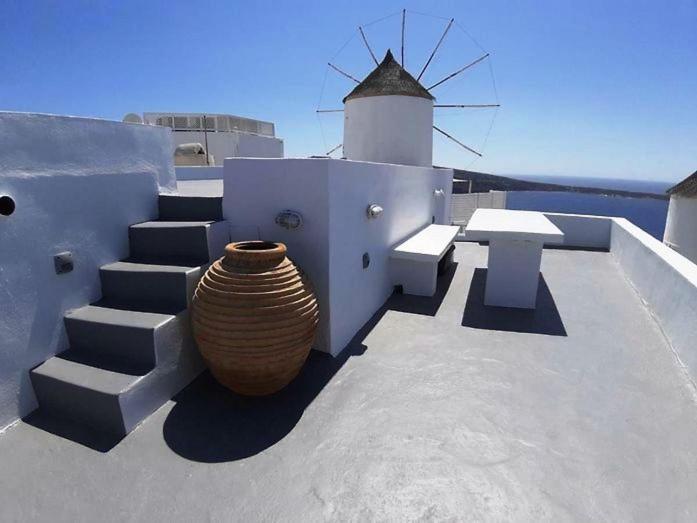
289	219
374	210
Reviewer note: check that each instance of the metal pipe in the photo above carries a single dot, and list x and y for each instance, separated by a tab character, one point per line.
467	105
335	148
436	49
342	72
459	71
441	131
404	16
365	41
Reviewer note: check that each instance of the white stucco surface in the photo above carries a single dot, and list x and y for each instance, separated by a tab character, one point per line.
429	244
389	129
186	173
406	194
77	184
333	197
502	224
681	226
581	230
231	144
42	144
666	281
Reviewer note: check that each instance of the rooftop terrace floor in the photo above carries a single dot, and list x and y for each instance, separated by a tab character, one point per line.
440	409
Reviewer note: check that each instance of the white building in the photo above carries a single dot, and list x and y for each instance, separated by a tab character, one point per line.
221	135
388	118
681	226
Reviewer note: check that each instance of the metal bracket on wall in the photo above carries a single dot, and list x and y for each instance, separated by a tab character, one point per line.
289	219
63	262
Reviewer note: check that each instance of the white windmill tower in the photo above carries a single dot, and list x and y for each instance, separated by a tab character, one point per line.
388	118
681	225
389	115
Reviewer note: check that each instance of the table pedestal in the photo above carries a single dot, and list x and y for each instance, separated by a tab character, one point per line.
513	273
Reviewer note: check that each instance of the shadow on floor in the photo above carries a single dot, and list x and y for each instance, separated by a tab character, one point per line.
544	319
420	304
68	429
211	424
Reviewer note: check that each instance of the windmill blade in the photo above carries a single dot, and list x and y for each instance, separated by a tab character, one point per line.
404	16
342	72
459	71
436	49
335	148
365	41
329	111
441	131
461	106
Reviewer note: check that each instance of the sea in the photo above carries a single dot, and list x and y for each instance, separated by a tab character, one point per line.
648	213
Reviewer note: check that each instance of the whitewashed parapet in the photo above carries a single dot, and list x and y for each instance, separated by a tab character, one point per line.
666	282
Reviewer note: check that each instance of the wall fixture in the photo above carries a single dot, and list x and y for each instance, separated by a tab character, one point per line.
289	219
439	192
374	210
63	262
366	260
7	205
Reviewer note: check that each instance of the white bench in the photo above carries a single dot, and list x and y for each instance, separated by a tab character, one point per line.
414	263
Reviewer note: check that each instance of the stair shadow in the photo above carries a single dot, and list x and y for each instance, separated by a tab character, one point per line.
211	424
76	432
544	319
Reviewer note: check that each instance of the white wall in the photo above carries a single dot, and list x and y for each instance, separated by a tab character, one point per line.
464	205
78	184
333	196
199	173
232	144
582	230
666	281
389	129
407	196
256	190
681	226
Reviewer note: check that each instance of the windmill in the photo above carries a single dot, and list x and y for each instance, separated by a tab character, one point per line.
389	114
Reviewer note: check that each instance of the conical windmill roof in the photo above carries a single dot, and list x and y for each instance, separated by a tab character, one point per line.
688	187
389	78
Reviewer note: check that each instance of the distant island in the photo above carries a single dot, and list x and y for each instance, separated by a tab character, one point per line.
482	182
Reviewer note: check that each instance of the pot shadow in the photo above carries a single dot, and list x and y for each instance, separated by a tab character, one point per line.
544	319
211	424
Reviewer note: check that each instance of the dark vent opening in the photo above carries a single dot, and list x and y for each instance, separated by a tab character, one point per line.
7	205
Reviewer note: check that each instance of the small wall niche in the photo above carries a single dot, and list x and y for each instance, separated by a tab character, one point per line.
7	205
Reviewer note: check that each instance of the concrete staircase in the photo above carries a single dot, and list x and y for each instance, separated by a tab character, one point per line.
133	350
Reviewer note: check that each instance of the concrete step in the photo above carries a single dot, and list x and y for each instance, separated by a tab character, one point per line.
180	208
111	335
152	287
78	387
192	242
82	393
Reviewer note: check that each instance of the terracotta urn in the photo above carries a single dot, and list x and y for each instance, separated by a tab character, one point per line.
254	317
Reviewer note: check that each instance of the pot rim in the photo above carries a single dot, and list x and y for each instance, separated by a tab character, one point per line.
255	250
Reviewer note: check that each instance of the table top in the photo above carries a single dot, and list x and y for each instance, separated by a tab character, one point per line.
427	244
503	224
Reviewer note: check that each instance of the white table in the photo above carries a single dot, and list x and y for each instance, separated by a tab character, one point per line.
515	241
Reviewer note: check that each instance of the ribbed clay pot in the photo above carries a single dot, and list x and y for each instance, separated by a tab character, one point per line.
254	318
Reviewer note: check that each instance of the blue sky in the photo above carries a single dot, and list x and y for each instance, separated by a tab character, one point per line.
596	88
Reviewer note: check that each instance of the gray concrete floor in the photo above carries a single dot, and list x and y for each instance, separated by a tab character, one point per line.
439	410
